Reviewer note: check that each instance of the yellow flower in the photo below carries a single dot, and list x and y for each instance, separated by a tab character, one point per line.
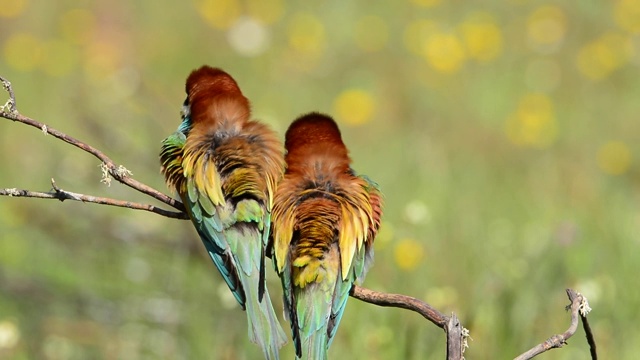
12	8
219	14
533	123
354	106
77	25
426	3
546	27
22	51
482	37
409	253
307	34
614	157
444	52
598	59
627	15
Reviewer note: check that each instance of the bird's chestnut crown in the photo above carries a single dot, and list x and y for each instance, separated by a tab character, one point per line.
209	88
312	128
315	133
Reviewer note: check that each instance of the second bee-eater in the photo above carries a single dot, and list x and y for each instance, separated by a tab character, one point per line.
225	167
325	218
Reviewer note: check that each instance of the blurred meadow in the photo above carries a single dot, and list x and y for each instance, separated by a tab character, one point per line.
504	134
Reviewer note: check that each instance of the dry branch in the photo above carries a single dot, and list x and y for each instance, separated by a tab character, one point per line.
579	308
63	195
118	172
456	333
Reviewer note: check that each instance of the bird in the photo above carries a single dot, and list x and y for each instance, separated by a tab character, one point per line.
225	168
325	218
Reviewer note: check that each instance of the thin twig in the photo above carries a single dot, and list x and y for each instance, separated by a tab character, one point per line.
118	172
63	195
589	334
10	105
579	307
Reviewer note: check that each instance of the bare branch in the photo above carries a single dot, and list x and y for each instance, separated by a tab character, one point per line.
589	334
118	172
579	308
456	334
63	195
400	301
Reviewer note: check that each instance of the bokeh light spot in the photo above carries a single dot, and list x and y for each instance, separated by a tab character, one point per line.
354	106
22	51
58	347
614	158
440	297
426	3
533	123
599	58
77	25
384	236
627	15
248	37
62	57
101	60
417	33
267	11
12	8
408	254
9	335
417	212
482	37
307	34
371	33
546	28
444	52
219	14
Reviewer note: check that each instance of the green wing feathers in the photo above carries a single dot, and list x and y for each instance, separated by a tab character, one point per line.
322	245
227	196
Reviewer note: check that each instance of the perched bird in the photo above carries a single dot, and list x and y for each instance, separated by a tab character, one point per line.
325	218
225	168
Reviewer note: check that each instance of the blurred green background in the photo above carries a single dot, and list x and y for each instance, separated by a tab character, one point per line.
504	135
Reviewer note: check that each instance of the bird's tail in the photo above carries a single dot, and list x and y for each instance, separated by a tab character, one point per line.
313	316
315	346
264	327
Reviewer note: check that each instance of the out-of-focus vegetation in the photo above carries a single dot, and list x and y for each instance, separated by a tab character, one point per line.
504	135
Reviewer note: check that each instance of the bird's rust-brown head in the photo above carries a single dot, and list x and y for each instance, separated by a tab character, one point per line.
315	134
211	92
